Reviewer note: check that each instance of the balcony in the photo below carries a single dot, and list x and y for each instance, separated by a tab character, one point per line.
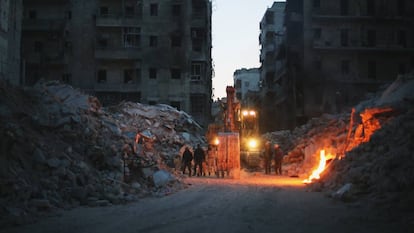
117	87
356	47
118	53
357	18
269	47
49	59
281	69
51	1
56	59
118	20
43	24
198	21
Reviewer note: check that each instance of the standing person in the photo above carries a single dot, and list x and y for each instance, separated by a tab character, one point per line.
278	159
199	158
186	160
211	160
267	157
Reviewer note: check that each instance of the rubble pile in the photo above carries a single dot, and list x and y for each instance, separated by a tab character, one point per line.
380	167
370	148
302	145
380	162
59	149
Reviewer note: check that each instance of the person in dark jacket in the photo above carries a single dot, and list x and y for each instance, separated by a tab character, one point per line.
267	157
199	157
186	160
278	154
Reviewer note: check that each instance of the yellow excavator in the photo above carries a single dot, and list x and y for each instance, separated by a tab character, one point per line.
250	143
236	134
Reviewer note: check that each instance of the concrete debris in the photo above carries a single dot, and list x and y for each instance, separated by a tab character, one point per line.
88	153
370	147
340	193
302	145
161	178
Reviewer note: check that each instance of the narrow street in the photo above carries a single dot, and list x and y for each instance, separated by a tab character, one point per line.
257	203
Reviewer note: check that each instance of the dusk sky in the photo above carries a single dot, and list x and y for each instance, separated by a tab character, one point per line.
235	32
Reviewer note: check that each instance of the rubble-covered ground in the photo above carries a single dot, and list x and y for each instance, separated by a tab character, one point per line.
369	150
60	149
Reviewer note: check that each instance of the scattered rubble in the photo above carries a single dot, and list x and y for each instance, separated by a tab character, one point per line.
59	148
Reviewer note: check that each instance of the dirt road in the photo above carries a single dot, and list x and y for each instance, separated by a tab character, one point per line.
255	204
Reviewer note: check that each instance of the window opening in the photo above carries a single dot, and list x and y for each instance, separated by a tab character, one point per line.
154	9
175	73
132	37
101	76
196	71
152	73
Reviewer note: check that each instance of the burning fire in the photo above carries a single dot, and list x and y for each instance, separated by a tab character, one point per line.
360	131
315	174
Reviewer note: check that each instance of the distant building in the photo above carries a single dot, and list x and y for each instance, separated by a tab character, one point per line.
10	35
246	83
273	79
134	50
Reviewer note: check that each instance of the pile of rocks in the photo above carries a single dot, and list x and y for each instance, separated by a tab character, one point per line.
60	149
302	145
369	148
379	164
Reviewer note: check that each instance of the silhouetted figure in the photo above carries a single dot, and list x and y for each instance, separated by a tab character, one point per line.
278	154
199	157
267	157
186	160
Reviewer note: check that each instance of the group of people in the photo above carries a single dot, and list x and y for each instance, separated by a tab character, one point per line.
271	153
199	157
275	153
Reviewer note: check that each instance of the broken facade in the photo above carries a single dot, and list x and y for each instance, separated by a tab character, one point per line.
273	80
352	47
141	51
335	52
10	35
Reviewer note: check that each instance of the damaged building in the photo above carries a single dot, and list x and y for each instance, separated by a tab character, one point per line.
353	47
273	79
144	51
10	34
334	53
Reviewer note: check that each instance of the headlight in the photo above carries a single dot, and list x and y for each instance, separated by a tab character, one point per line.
216	141
252	144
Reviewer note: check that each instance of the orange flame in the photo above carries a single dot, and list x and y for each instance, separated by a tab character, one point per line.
315	174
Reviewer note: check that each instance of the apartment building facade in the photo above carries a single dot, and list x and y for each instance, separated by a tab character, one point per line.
352	47
334	53
10	36
273	77
153	52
